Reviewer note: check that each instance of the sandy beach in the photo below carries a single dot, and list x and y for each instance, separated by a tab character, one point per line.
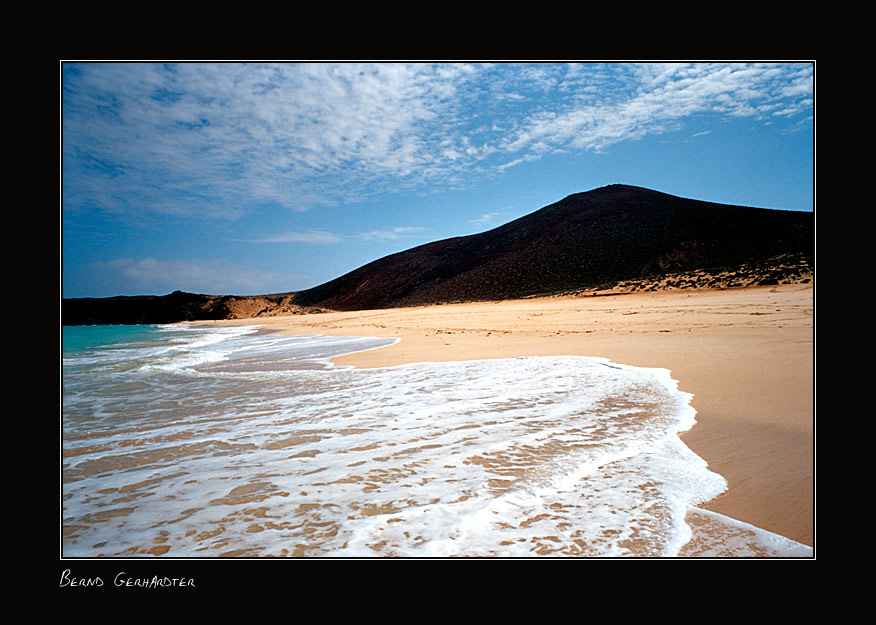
747	356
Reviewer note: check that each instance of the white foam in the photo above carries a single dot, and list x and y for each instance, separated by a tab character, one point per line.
514	457
728	537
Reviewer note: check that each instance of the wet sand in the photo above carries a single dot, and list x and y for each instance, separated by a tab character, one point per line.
746	354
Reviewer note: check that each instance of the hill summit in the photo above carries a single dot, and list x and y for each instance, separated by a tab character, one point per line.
588	240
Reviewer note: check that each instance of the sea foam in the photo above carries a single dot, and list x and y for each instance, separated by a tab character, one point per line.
243	443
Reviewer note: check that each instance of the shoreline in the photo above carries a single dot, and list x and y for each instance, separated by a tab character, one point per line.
746	355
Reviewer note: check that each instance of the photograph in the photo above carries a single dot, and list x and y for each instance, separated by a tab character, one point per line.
514	310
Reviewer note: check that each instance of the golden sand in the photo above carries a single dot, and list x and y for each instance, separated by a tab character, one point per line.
747	356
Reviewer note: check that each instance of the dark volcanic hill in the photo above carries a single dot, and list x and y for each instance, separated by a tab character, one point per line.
586	240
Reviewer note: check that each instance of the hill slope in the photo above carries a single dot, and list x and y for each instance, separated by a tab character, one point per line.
614	233
609	234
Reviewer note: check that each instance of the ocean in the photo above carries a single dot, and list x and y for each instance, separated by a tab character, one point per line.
208	441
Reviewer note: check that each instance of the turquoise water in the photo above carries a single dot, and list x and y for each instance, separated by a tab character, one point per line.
203	442
79	339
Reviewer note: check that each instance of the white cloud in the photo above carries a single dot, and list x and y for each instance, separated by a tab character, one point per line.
485	218
195	276
219	140
323	237
386	235
204	138
659	97
310	236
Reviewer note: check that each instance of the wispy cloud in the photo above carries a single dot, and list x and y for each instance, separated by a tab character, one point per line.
386	235
310	236
193	275
653	98
323	237
485	218
219	140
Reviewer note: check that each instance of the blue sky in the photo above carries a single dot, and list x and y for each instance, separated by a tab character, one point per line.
252	178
